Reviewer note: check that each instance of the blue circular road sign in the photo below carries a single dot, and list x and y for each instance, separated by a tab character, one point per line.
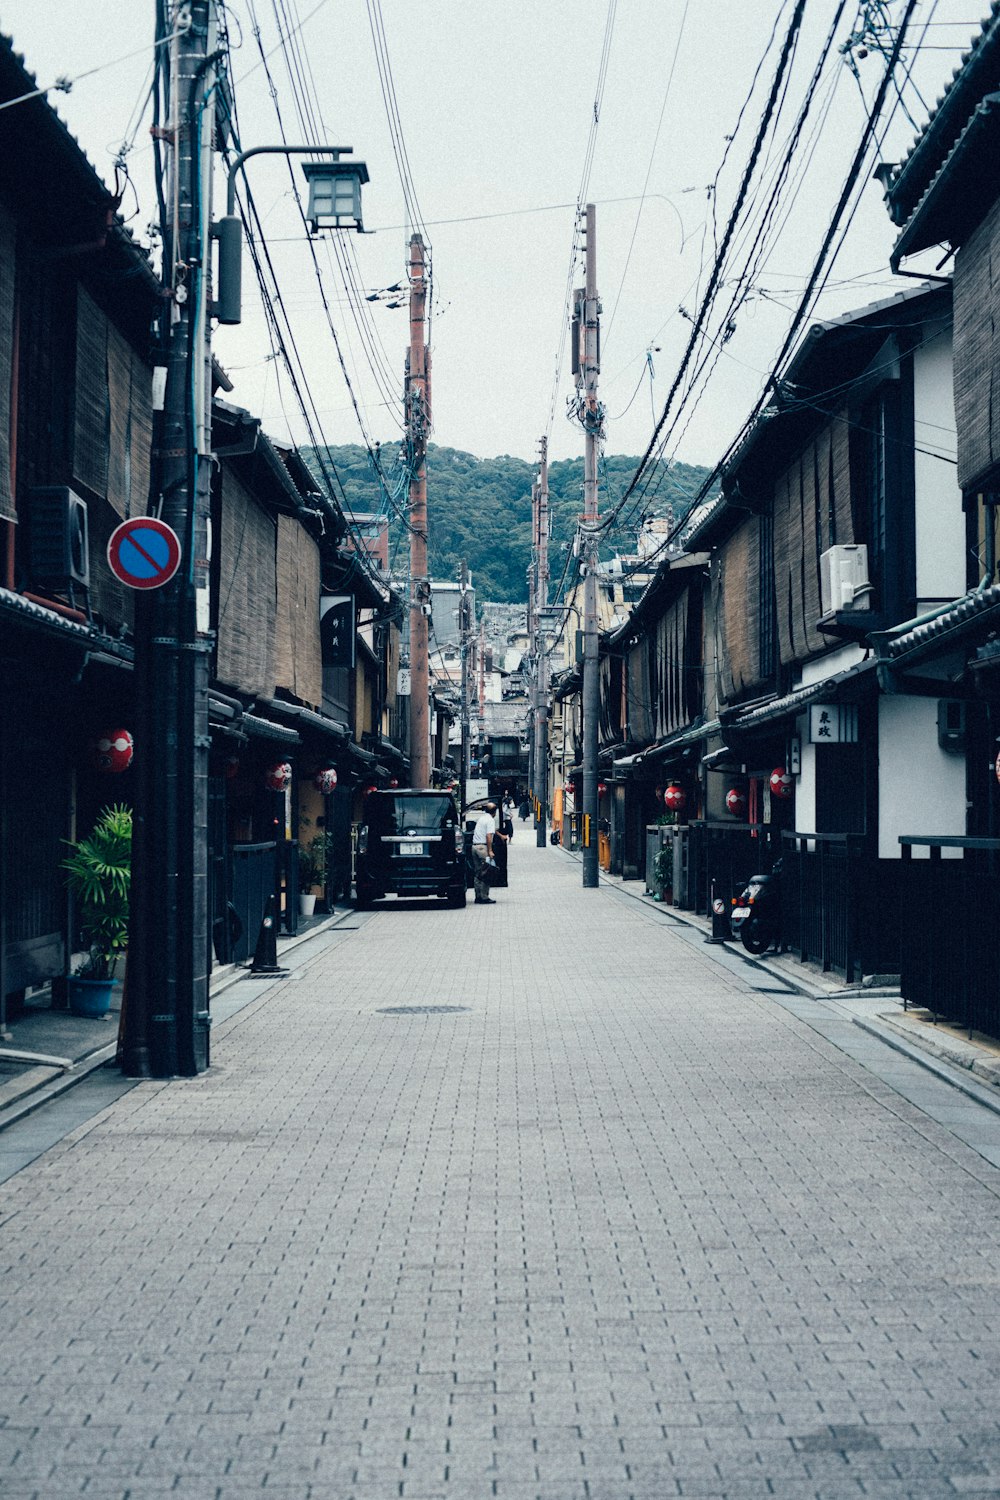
144	553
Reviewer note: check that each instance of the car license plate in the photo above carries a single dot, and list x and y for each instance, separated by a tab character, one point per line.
406	848
741	912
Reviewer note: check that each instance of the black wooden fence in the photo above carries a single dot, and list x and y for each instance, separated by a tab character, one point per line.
725	855
839	901
254	881
950	902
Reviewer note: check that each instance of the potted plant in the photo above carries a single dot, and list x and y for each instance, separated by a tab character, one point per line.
312	872
99	874
663	874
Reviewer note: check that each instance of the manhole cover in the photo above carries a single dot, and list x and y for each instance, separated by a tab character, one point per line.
421	1010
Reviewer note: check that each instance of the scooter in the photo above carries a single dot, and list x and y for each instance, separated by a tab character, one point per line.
756	915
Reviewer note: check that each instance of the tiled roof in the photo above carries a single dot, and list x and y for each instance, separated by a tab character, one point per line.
974	610
975	76
790	704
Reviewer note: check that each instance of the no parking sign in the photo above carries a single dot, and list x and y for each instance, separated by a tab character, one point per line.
144	553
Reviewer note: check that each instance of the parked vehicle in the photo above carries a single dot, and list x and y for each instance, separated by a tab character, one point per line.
411	843
756	915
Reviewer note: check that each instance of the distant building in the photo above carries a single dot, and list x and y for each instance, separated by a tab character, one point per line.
371	533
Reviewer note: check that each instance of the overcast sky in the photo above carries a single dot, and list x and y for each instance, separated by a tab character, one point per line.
496	104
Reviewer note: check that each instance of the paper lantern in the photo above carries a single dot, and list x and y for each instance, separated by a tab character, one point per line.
781	783
278	776
325	781
602	787
674	798
113	750
393	783
736	802
368	791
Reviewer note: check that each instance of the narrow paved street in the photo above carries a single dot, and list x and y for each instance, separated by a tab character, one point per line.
534	1202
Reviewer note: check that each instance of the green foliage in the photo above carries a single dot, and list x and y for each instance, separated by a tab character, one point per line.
312	862
99	874
480	510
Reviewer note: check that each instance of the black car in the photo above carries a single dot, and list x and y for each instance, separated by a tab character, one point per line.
410	844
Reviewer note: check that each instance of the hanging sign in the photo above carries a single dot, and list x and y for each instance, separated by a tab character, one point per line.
336	629
144	553
833	724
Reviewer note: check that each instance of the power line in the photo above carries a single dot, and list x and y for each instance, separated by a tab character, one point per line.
789	42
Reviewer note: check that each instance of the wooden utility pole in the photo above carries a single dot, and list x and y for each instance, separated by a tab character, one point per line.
591	414
418	424
465	629
541	654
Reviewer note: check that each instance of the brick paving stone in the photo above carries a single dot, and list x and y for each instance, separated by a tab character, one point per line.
622	1228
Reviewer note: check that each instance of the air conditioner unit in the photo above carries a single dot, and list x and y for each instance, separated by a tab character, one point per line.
58	546
843	576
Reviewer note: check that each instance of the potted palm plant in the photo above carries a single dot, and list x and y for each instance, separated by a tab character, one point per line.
99	873
312	872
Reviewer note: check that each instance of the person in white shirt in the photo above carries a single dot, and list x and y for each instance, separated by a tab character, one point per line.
482	852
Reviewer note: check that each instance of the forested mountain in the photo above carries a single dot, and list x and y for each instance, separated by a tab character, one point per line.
480	509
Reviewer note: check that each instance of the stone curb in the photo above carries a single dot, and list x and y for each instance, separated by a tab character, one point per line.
41	1088
947	1058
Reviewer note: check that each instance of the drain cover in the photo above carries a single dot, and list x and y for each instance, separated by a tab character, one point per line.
421	1010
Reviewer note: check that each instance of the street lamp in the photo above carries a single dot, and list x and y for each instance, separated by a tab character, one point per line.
335	193
334	203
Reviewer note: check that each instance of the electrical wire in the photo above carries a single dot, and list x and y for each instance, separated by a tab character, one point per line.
734	216
588	160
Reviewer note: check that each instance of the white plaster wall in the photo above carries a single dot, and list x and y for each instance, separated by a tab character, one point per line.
940	524
805	787
828	666
921	787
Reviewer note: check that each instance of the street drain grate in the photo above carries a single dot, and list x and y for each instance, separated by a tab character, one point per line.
421	1010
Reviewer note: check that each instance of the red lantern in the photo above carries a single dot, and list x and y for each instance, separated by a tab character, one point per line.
368	791
602	787
393	783
278	776
112	751
325	781
781	783
736	802
674	798
568	790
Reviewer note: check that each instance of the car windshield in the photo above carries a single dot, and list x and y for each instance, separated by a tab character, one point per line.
390	814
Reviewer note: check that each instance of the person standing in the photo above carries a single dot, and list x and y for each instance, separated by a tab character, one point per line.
500	841
507	815
482	852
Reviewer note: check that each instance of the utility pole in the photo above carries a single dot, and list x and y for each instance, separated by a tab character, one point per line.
465	629
591	414
481	661
541	654
166	1016
533	645
418	422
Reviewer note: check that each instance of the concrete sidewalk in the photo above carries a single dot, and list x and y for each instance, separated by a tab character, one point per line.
50	1050
947	1050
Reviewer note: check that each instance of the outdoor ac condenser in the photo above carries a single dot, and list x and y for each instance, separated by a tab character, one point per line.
58	545
843	577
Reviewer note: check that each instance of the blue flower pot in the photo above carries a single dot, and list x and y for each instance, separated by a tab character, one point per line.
90	997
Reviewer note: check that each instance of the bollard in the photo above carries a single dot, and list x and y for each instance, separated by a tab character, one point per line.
719	911
265	955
